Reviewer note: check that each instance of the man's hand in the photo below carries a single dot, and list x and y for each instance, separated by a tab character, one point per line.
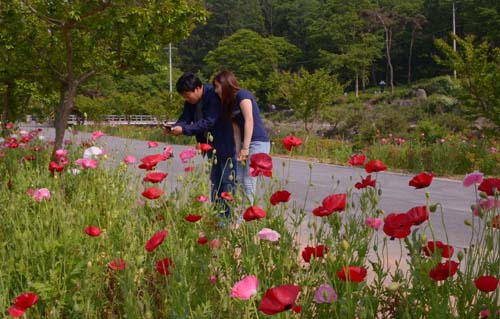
176	130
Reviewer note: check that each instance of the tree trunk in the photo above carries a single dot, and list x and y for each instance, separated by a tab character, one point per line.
413	32
363	78
66	103
388	45
356	84
5	108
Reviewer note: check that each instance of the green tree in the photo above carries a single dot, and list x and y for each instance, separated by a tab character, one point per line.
251	57
307	93
478	69
86	38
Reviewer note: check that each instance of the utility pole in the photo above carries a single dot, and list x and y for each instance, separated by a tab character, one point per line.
454	41
170	67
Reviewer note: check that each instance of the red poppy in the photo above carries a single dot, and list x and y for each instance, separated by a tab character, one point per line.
22	303
156	177
397	225
149	162
253	212
444	270
152	193
93	231
365	182
488	184
318	252
321	211
418	215
261	164
280	299
280	197
335	202
421	180
205	147
202	240
55	167
156	240
193	218
446	251
352	273
162	266
188	169
486	283
291	141
118	264
226	196
375	166
357	160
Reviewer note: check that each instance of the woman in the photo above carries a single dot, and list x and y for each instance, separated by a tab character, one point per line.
250	136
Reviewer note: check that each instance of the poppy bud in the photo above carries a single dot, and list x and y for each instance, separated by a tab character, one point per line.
427	195
231	165
380	212
483	195
283	163
215	161
472	207
230	177
433	208
310	165
180	178
345	244
468	222
393	286
423	238
214	151
89	264
210	138
460	255
375	247
379	192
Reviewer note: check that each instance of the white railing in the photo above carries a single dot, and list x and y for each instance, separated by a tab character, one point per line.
137	119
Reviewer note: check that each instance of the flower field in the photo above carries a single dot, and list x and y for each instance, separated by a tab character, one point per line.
81	237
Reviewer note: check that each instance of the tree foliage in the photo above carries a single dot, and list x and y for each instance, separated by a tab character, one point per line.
478	69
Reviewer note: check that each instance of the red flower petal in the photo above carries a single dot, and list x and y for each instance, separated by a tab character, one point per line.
421	180
397	225
193	218
352	273
375	166
156	177
118	264
280	197
226	196
444	270
418	215
279	299
291	141
261	164
488	184
156	240
152	193
163	266
357	160
486	283
319	252
254	212
93	231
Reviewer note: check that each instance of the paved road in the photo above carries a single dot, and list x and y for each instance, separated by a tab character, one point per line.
397	195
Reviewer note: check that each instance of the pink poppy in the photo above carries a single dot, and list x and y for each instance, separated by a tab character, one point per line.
245	288
93	231
167	151
374	223
86	163
41	194
202	198
268	234
325	294
129	159
97	134
215	243
152	144
187	154
475	177
60	153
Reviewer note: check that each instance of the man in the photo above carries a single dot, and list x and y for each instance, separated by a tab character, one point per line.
202	115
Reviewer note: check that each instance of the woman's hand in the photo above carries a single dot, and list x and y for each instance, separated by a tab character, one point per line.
243	154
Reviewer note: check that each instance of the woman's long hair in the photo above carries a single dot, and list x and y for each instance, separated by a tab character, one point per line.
229	87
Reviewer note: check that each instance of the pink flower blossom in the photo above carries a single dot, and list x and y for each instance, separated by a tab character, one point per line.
168	151
383	141
152	144
486	204
86	163
245	288
41	194
61	153
475	177
129	159
269	234
202	198
213	279
374	223
187	154
97	134
325	294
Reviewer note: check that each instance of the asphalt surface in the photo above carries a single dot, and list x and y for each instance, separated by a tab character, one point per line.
397	196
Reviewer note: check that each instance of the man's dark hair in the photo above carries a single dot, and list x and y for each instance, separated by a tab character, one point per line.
188	82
